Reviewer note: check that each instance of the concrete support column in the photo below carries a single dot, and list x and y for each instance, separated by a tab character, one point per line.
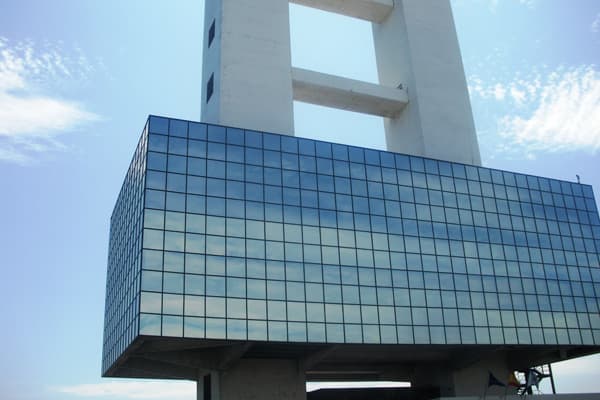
269	379
471	380
247	65
417	46
207	386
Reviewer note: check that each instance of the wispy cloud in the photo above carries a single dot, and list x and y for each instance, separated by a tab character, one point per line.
595	26
546	111
528	3
133	390
499	91
30	118
518	91
566	116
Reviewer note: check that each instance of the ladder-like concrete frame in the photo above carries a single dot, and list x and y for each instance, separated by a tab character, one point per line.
422	92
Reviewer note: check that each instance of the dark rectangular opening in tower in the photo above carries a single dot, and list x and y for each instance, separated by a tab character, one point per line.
210	87
211	33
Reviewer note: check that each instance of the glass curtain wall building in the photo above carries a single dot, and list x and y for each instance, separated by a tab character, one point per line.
221	233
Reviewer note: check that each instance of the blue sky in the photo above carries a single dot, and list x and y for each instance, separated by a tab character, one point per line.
78	79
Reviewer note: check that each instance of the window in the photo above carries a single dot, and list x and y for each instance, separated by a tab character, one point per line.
211	33
210	87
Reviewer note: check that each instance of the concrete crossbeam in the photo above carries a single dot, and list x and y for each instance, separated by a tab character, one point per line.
370	10
347	94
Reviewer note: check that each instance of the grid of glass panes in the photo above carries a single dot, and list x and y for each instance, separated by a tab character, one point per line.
258	236
123	272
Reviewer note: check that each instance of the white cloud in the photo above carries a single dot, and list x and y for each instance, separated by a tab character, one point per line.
134	390
151	390
595	27
528	3
518	95
493	4
517	92
312	386
564	114
580	375
38	116
30	120
523	113
499	91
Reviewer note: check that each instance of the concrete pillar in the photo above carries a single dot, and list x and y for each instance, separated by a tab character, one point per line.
208	387
247	66
417	46
268	379
471	380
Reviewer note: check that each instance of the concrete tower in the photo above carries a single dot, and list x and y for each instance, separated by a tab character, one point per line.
422	95
252	262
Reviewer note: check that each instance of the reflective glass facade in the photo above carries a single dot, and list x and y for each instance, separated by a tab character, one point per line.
121	315
222	233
